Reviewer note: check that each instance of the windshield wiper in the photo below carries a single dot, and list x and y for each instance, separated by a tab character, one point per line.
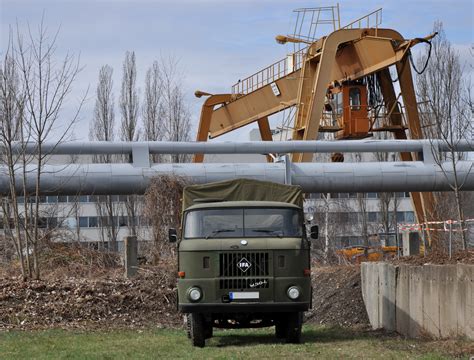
278	233
219	231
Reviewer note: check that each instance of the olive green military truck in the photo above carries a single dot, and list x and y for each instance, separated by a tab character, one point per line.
243	258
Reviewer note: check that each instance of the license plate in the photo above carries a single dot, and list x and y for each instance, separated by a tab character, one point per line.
251	295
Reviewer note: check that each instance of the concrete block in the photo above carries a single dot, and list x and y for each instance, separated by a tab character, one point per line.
402	302
131	256
387	286
410	243
465	300
363	281
415	301
370	292
431	275
448	289
433	299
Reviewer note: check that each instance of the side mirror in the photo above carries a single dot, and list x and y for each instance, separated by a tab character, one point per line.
308	218
172	235
314	232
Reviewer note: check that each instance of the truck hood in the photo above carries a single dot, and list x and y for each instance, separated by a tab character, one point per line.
231	244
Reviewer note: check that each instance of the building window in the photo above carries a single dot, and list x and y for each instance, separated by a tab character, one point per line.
354	98
51	199
123	221
400	216
409	216
372	216
83	222
93	221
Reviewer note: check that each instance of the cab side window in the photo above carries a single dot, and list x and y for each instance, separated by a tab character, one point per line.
354	98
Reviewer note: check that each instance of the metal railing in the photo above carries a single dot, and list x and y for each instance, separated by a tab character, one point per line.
269	74
308	21
373	19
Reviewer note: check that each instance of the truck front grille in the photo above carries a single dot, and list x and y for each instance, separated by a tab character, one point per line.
229	264
244	283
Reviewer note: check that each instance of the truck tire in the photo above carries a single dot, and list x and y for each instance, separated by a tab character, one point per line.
188	325
280	328
294	324
208	329
198	330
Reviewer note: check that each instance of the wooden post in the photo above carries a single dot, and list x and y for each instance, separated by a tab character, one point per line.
131	254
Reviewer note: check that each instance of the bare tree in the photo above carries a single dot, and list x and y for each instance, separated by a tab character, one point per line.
39	85
446	108
163	209
176	114
102	129
129	126
12	104
362	209
153	111
102	126
334	216
387	201
129	100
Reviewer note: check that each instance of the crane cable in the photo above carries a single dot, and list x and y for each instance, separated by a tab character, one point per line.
427	59
375	100
413	63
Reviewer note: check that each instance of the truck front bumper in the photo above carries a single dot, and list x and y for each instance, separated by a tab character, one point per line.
244	307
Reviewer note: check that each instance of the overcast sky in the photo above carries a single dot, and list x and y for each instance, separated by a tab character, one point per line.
217	41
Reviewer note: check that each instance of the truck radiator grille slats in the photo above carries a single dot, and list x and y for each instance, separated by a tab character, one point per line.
229	264
244	283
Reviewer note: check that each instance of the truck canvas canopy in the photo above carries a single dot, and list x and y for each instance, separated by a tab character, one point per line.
242	190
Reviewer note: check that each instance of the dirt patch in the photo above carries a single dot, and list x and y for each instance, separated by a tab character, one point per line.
337	297
437	258
147	300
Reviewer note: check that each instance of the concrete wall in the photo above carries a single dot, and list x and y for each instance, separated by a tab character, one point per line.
437	300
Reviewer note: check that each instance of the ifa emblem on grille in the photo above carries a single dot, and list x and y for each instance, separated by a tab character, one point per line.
244	264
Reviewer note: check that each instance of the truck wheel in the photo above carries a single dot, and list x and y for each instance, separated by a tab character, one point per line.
280	328
188	325
294	324
208	330
197	330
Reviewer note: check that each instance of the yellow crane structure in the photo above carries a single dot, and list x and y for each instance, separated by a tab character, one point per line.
325	81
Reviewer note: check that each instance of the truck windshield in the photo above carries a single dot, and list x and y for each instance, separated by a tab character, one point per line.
251	222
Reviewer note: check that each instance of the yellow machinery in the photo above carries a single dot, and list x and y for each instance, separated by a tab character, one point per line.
325	82
383	246
357	254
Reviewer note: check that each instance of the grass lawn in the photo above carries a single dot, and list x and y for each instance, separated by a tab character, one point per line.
319	343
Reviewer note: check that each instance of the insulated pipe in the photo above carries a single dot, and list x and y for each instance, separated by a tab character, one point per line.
312	177
247	147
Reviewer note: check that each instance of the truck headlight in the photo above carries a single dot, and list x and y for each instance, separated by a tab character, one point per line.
194	294
293	292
